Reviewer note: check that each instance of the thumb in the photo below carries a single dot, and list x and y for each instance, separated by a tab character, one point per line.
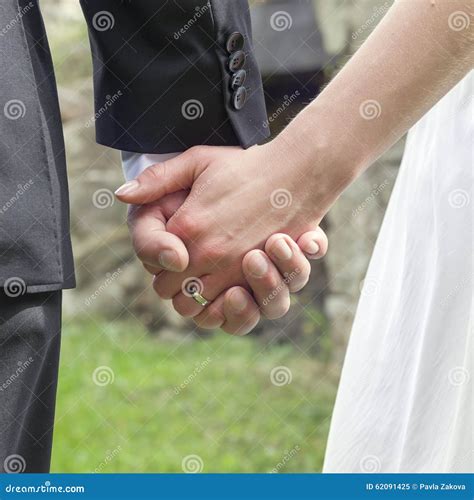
164	178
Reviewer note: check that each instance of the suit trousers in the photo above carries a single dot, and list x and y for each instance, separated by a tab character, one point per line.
30	332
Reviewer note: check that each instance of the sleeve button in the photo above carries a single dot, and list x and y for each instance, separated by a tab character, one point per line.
235	42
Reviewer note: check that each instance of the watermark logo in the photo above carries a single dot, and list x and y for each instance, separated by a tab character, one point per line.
191	285
458	198
458	376
103	198
103	375
280	376
370	464
281	21
103	21
192	109
370	109
459	21
14	287
368	287
14	464
281	198
192	464
14	109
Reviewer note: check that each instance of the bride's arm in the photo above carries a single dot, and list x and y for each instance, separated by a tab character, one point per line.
417	53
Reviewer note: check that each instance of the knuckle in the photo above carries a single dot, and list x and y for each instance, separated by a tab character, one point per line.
153	173
184	307
278	309
162	290
209	321
209	253
271	283
183	226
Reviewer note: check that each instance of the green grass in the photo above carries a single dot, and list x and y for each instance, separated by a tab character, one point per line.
229	413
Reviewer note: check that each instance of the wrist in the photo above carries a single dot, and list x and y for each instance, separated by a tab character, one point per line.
318	157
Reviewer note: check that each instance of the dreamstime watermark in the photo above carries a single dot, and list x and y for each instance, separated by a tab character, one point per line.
192	109
288	100
459	198
192	464
286	458
199	12
16	20
370	109
377	189
451	296
22	189
193	196
191	377
281	198
14	464
14	287
110	100
458	376
103	21
192	285
103	198
109	279
459	20
281	20
103	375
280	376
14	109
369	287
22	366
288	278
370	464
109	457
378	12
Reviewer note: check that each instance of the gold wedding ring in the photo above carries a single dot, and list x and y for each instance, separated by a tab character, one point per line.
202	301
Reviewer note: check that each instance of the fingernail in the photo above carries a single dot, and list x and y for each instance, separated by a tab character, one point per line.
312	248
258	265
127	188
281	250
238	301
169	260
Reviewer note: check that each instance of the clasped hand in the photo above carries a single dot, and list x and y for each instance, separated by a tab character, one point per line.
230	224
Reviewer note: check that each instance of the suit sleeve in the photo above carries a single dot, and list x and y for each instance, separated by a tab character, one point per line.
171	75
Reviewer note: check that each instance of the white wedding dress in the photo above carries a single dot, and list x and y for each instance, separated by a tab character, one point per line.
405	397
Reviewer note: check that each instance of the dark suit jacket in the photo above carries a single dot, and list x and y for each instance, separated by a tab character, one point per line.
163	74
35	250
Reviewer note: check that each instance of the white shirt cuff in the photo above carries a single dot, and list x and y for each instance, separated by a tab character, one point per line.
133	164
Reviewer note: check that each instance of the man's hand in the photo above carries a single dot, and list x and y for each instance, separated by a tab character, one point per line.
270	277
271	280
157	248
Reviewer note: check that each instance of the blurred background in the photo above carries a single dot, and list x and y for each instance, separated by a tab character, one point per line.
141	389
